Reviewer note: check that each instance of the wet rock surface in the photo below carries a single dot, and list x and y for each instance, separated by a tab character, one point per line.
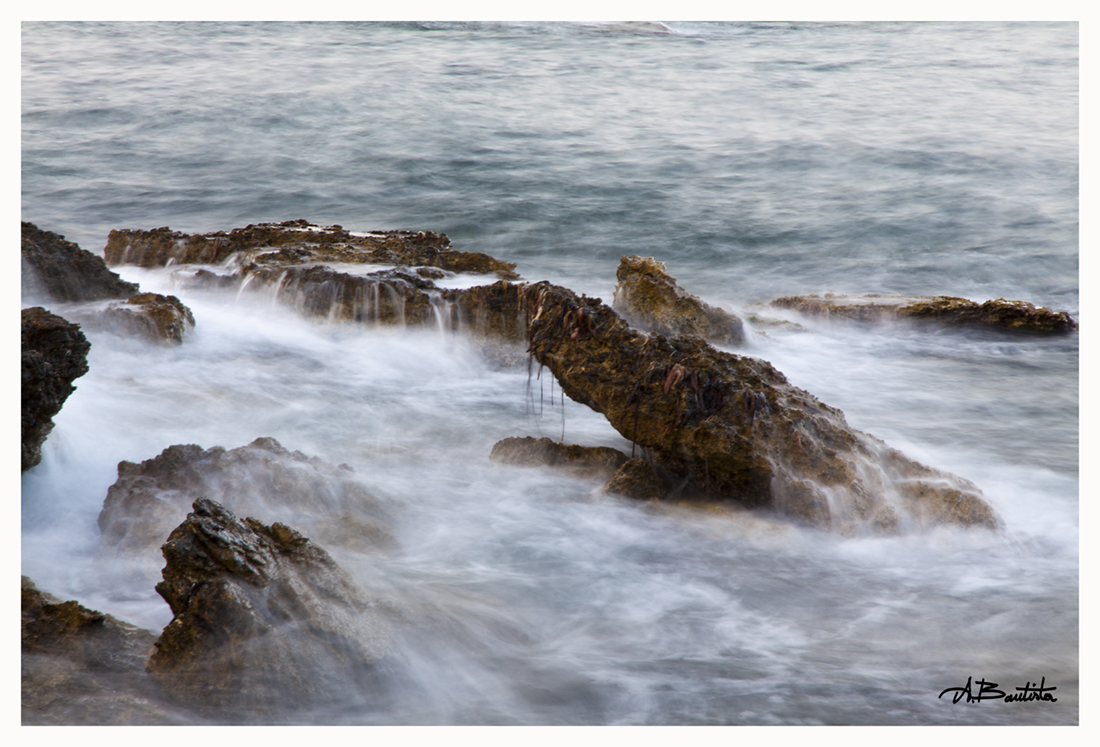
61	271
649	298
263	620
54	354
637	479
263	478
152	316
733	428
998	314
582	461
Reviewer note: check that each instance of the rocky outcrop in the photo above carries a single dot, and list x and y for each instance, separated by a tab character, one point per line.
55	353
263	478
263	620
998	314
150	315
582	461
62	271
731	427
649	298
80	666
295	243
637	479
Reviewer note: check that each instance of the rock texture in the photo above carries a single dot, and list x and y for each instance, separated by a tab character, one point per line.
62	271
149	499
152	316
732	427
583	461
998	314
649	298
55	353
263	619
637	479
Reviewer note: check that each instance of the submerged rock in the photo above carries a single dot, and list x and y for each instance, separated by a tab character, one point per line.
152	316
998	314
637	479
62	271
731	427
149	499
264	621
55	353
582	461
649	298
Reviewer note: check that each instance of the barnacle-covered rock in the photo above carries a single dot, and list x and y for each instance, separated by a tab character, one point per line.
732	427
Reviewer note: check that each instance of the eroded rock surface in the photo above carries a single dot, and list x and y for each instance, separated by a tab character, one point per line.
55	353
60	270
732	427
153	316
649	298
583	461
149	499
636	479
997	314
263	619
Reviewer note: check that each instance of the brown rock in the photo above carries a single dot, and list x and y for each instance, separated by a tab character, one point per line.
732	427
152	316
582	461
55	353
264	621
998	314
62	271
649	298
636	479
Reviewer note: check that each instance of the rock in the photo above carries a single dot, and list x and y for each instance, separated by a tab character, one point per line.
637	479
152	316
264	621
80	666
297	242
55	353
582	461
649	298
731	427
149	499
998	314
62	271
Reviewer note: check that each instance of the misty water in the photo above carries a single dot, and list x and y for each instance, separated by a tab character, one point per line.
756	161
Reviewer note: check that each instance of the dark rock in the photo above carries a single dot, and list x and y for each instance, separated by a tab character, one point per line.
637	479
733	428
649	298
152	316
149	499
998	314
62	271
263	619
582	461
55	353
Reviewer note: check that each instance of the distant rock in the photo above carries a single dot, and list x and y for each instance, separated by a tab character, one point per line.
637	479
998	314
55	353
264	621
649	298
731	427
62	271
582	461
152	316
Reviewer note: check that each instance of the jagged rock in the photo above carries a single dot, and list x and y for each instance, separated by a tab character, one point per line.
649	298
149	499
297	242
55	353
62	271
263	619
998	314
152	316
732	427
637	479
582	461
80	666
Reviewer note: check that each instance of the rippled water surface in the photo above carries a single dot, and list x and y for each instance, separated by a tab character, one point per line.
755	160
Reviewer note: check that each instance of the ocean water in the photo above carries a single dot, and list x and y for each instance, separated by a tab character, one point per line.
756	161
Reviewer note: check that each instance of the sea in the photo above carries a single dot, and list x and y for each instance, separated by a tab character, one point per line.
756	160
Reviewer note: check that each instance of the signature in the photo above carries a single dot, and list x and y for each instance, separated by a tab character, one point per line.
975	692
